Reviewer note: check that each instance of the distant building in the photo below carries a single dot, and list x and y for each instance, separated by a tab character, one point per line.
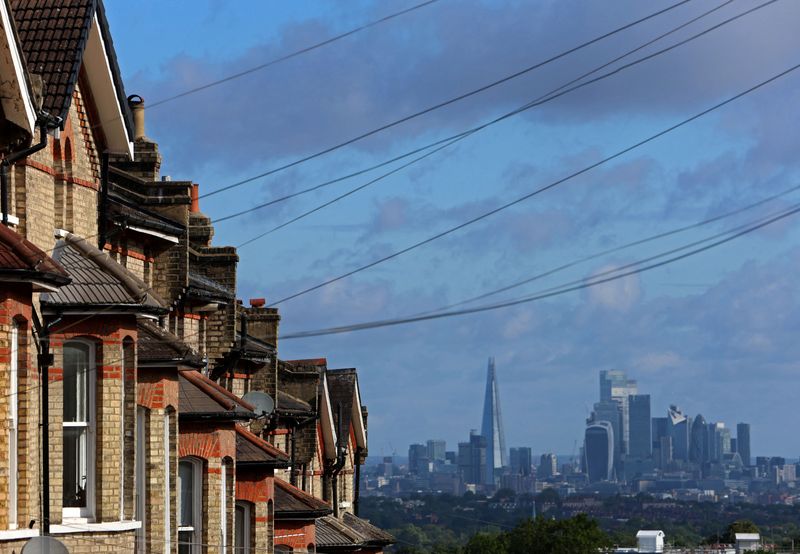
492	428
521	460
611	412
472	459
548	466
651	542
640	426
747	542
699	450
664	452
599	451
451	457
679	425
616	387
743	442
417	457
436	450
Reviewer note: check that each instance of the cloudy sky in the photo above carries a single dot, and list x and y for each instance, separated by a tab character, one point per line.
715	333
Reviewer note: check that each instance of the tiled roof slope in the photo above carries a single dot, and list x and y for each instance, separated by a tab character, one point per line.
124	213
373	535
157	345
21	258
342	389
98	280
199	395
291	502
251	449
289	403
331	532
205	287
53	34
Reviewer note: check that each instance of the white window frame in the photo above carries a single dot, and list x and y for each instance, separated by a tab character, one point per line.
13	431
141	483
246	522
85	513
197	510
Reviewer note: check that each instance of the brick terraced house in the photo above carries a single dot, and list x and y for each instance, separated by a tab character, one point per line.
120	330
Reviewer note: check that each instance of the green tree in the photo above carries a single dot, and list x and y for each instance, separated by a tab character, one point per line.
738	526
577	535
487	543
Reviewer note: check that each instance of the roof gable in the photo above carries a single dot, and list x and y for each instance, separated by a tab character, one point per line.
293	502
200	396
159	346
22	260
252	449
344	391
17	96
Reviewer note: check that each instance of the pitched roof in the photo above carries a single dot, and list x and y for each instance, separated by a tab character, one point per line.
124	213
206	288
53	34
20	259
202	398
373	535
157	345
293	503
98	280
252	449
289	403
332	532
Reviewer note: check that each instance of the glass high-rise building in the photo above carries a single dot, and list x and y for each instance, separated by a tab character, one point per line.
743	442
436	450
616	387
611	412
521	460
548	466
599	451
492	428
641	442
679	426
699	444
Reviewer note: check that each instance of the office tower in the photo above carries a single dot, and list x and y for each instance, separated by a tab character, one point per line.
679	425
699	447
417	457
599	451
640	426
734	446
659	428
616	387
548	466
436	450
451	457
719	442
472	459
723	441
664	452
743	442
521	460
492	427
610	411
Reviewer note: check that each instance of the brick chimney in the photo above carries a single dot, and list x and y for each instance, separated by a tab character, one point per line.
262	323
146	162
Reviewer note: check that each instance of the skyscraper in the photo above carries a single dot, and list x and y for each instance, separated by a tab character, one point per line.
611	412
743	442
548	466
492	427
599	451
616	387
679	425
699	445
521	460
640	426
436	450
472	458
417	458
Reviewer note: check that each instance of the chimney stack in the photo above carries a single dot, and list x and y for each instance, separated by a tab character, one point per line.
257	302
195	198
136	104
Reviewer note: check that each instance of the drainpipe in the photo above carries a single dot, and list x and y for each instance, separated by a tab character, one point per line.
305	470
13	157
102	214
45	360
339	464
292	472
357	486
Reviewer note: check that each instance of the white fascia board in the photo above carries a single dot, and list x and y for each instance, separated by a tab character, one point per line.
169	238
358	419
27	118
104	92
328	428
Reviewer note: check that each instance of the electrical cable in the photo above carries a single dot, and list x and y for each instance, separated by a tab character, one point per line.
548	293
540	190
535	102
442	104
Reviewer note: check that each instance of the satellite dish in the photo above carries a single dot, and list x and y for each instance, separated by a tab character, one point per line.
263	403
44	545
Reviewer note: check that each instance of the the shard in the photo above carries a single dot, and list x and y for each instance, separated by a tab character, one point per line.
492	427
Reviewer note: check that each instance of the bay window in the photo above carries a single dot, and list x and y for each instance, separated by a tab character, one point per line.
78	431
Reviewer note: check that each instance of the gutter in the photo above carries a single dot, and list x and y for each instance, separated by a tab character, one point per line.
216	416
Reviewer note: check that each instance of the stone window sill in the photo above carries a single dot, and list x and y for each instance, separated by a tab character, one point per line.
81	526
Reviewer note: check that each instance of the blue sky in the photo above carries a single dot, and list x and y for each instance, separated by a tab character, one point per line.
715	334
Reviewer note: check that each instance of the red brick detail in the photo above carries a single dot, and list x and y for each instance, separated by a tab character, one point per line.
207	440
297	535
157	388
64	177
255	485
279	432
128	253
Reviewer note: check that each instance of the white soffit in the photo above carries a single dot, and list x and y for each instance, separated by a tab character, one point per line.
104	92
358	418
17	102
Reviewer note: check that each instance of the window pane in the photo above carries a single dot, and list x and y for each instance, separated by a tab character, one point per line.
239	526
75	467
186	484
76	372
185	542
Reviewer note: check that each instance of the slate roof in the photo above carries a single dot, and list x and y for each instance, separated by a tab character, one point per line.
342	388
373	535
53	35
331	532
293	503
157	345
289	403
203	287
254	348
253	450
20	259
202	398
98	280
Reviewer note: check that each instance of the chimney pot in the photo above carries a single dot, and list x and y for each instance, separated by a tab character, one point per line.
195	198
257	302
136	104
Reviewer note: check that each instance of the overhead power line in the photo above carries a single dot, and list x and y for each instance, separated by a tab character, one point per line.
614	250
540	190
453	139
541	99
549	293
440	105
294	54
